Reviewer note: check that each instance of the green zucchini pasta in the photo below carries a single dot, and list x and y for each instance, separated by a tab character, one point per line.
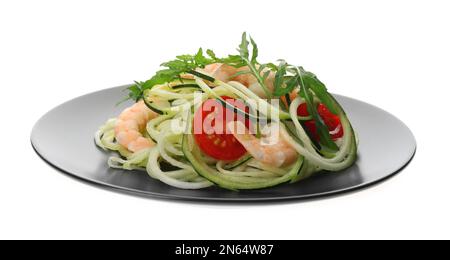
314	133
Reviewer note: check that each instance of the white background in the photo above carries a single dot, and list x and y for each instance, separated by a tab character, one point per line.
394	54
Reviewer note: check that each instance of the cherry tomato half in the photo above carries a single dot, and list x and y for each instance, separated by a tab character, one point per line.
331	120
211	133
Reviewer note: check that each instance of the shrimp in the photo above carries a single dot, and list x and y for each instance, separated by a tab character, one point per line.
131	124
271	149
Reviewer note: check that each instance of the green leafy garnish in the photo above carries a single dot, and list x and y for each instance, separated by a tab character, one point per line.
288	78
322	129
252	63
174	68
280	86
319	90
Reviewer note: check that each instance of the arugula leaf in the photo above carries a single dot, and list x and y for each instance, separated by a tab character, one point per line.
243	47
175	64
266	75
211	54
252	63
185	57
320	90
261	68
173	69
200	59
134	91
254	51
322	129
279	89
243	72
232	60
271	66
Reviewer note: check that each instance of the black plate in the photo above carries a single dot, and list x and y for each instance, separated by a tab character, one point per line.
64	138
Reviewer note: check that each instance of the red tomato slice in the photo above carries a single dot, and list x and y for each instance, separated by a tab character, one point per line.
331	120
312	129
211	133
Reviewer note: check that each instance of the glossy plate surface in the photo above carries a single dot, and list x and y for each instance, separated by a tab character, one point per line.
64	138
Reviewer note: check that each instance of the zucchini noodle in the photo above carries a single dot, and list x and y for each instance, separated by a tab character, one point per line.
346	140
176	160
